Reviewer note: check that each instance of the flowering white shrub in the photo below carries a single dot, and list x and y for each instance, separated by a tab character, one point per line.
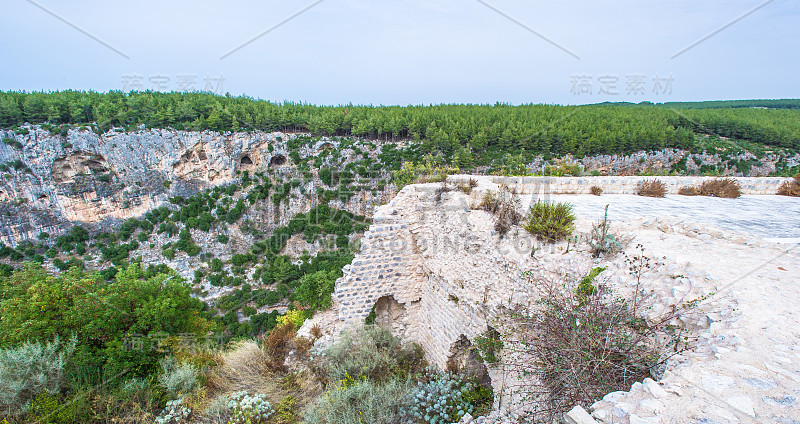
174	413
248	409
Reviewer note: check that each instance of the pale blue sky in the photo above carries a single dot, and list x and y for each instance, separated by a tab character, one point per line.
412	51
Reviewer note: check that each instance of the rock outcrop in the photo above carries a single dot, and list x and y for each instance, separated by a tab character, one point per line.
52	182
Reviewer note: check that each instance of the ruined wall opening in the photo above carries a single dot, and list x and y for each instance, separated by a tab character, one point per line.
391	315
277	160
465	360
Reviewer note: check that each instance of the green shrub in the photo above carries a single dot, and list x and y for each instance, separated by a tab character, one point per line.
104	316
356	401
371	352
216	265
315	289
177	378
47	408
439	401
550	222
168	253
29	369
240	259
285	410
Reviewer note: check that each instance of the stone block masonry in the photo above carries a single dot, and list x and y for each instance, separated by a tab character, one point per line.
619	185
385	267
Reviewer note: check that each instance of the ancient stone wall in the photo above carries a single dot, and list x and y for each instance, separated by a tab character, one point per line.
458	276
621	185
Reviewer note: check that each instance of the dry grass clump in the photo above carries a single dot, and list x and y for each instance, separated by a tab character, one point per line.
504	207
596	190
468	186
725	187
242	367
790	188
651	188
278	343
689	191
248	367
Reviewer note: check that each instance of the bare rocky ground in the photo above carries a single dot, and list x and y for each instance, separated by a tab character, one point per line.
746	365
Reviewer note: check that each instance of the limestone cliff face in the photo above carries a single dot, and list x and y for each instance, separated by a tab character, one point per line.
51	181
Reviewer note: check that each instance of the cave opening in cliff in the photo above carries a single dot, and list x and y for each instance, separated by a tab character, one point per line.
277	160
245	161
326	146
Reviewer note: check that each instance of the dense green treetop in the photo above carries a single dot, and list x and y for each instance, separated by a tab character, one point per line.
580	130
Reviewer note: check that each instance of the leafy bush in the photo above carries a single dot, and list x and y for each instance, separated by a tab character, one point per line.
241	259
177	378
596	190
29	369
248	409
726	187
47	408
168	253
174	413
651	188
360	401
326	176
487	345
550	221
428	172
315	289
104	316
440	400
372	352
